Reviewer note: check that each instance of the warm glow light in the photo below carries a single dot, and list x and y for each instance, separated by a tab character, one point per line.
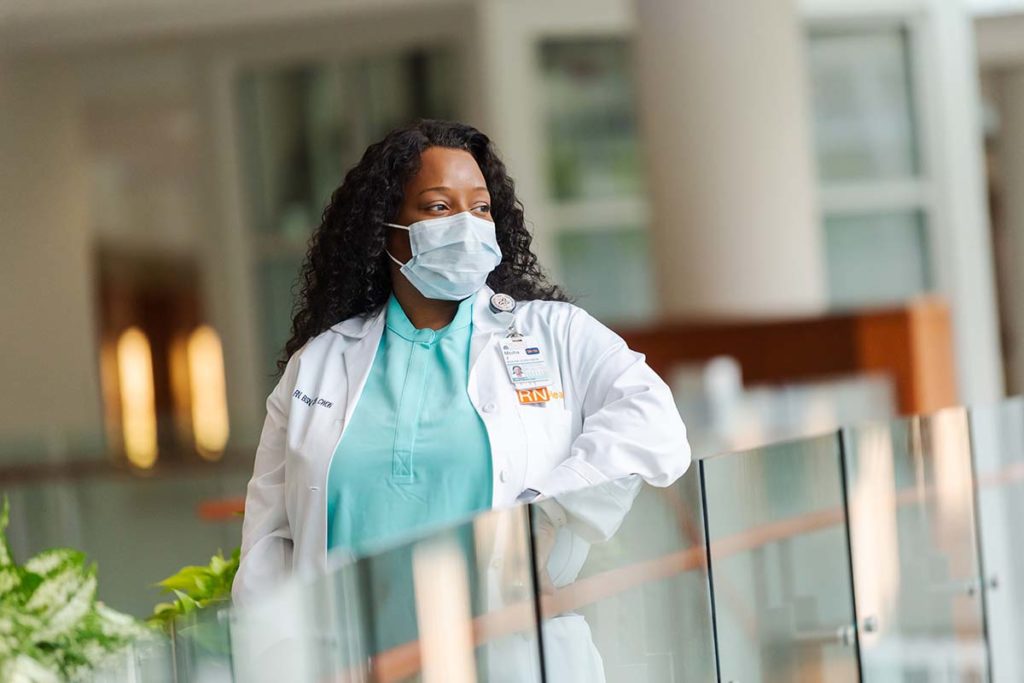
209	393
951	449
138	409
443	614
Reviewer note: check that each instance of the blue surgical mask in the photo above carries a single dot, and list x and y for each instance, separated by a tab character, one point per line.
451	256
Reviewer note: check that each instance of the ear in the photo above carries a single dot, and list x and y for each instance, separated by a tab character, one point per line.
397	242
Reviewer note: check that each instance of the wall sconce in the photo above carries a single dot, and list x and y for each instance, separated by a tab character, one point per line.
164	388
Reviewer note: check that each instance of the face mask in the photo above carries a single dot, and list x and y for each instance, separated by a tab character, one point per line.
451	256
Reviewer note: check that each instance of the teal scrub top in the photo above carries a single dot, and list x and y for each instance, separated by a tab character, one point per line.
415	453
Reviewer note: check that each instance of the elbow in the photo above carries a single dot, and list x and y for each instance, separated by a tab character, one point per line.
675	456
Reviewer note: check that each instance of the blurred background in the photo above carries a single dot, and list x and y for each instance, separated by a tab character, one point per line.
805	213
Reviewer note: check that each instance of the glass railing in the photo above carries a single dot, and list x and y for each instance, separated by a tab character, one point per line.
624	592
914	548
997	439
889	551
780	563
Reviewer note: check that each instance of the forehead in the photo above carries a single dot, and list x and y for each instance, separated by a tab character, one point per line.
442	166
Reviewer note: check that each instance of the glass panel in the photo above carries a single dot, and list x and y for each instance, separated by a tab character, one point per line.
202	646
608	272
780	564
876	258
147	660
309	632
457	605
997	435
276	637
911	509
591	133
625	584
861	85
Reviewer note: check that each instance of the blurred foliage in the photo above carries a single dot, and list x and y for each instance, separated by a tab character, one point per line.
196	587
52	628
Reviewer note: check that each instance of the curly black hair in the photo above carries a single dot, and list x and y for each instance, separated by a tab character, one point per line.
346	272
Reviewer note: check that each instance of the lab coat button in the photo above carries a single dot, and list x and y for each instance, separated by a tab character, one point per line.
489	407
503	476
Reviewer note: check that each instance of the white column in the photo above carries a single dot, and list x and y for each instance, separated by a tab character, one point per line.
962	232
48	349
724	111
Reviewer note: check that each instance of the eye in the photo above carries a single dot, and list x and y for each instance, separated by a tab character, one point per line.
483	208
438	206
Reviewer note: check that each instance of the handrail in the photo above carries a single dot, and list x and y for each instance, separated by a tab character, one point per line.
99	468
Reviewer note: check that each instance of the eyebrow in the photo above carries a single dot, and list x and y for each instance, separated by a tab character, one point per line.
448	189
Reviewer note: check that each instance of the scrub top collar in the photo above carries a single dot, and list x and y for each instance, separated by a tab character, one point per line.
397	321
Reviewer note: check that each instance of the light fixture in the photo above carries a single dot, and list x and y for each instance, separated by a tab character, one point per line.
208	392
138	408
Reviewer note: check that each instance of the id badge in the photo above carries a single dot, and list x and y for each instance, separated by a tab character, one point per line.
525	362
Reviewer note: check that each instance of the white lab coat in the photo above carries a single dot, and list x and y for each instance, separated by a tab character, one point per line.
616	417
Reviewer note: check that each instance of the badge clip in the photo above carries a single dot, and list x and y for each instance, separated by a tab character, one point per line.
505	304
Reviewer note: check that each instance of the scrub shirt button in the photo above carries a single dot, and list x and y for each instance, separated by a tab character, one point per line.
503	476
489	407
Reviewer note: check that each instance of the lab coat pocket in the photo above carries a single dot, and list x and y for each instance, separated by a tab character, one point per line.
548	437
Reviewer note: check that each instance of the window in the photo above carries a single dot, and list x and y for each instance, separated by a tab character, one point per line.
876	214
594	176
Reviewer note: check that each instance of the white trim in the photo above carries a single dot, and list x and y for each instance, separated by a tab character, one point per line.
861	10
599	215
874	196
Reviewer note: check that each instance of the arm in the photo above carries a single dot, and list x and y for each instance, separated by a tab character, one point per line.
630	421
266	535
630	427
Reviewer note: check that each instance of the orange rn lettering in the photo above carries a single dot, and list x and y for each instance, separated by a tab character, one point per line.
539	395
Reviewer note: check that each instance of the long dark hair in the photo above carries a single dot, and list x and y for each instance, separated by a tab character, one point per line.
346	270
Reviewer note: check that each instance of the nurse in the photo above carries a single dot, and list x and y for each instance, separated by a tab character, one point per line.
434	372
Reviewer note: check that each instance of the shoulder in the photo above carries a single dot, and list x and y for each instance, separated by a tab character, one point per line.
327	343
548	313
564	317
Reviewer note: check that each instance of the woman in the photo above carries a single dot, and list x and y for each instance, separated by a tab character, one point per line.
398	405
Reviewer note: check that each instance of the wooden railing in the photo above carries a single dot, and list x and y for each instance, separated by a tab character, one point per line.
912	344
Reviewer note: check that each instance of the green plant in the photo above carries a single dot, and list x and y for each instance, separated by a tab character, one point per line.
196	587
51	626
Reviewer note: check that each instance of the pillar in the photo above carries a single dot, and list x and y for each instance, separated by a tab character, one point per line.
723	107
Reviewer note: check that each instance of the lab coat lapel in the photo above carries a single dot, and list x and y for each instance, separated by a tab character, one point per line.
357	359
486	325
